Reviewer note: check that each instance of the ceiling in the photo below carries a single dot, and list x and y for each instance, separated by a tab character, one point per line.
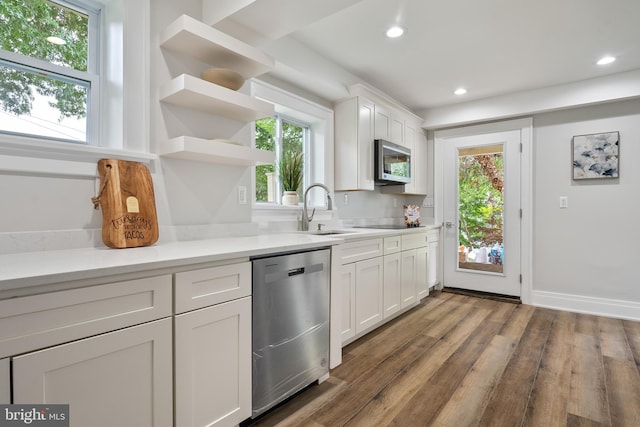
490	47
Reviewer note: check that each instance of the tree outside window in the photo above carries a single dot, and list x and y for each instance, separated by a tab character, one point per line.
44	68
282	136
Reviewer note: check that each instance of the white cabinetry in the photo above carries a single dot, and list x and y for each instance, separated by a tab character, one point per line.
392	275
118	378
195	39
368	293
358	121
213	345
392	283
380	278
348	293
422	272
362	286
96	348
408	287
414	263
433	242
354	135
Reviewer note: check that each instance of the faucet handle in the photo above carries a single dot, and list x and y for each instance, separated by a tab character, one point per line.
320	226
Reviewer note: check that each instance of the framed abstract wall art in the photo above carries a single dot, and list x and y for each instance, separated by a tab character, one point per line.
596	156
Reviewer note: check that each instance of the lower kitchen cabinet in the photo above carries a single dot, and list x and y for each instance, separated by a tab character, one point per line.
119	378
5	381
392	283
433	244
348	287
369	280
422	272
408	279
213	365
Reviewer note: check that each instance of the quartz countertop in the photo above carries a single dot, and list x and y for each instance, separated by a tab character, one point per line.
29	269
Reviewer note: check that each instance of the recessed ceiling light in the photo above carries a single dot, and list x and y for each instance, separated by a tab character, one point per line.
460	91
395	31
56	40
606	60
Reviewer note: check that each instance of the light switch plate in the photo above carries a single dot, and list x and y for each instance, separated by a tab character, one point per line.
564	202
242	195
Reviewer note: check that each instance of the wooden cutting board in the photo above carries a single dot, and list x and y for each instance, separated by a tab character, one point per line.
128	204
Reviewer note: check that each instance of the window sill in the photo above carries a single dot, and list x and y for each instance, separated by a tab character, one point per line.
40	157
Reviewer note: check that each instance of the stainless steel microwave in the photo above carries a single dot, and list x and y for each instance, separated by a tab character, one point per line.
392	163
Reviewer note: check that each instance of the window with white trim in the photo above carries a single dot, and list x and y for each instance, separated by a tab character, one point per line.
286	137
49	69
315	123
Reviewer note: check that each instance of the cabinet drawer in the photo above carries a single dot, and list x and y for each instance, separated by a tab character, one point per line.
392	244
414	240
208	286
361	249
433	235
34	322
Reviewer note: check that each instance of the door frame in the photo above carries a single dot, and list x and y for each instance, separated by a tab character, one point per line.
525	126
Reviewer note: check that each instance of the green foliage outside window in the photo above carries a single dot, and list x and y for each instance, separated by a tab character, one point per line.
289	141
265	140
24	28
480	202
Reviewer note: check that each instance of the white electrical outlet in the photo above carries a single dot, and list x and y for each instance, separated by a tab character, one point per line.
428	202
346	199
242	195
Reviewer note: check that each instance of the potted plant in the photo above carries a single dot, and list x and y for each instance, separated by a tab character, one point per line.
290	172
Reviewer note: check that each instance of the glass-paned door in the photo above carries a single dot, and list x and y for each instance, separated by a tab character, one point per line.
481	211
481	208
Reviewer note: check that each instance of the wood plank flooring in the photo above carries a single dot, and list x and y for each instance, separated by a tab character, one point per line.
457	361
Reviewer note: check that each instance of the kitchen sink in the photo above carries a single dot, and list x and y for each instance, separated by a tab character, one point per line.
328	232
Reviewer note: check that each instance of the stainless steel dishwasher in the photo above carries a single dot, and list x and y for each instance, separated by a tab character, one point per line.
290	325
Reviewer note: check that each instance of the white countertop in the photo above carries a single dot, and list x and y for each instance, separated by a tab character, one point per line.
30	269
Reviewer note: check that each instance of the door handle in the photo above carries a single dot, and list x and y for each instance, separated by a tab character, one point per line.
448	224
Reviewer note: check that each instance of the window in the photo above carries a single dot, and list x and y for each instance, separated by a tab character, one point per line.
284	136
311	120
49	69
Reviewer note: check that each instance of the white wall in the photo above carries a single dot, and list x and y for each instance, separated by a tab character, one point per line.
368	207
588	250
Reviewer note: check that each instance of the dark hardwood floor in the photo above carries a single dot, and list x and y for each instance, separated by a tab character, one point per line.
460	361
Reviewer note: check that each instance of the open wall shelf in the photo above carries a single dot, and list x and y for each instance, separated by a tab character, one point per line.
203	150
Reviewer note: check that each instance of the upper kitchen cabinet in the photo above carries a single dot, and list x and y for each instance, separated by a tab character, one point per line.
416	141
354	135
388	125
358	122
190	37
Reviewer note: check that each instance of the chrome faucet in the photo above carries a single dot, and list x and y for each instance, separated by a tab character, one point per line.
306	219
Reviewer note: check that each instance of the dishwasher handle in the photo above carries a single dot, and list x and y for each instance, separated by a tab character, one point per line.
295	271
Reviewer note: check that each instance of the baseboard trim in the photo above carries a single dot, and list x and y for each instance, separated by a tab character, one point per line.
588	305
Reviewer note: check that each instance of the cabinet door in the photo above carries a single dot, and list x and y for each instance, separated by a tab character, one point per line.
368	293
354	135
348	288
397	130
420	162
408	288
432	270
213	365
122	378
5	382
391	284
366	112
422	261
382	123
